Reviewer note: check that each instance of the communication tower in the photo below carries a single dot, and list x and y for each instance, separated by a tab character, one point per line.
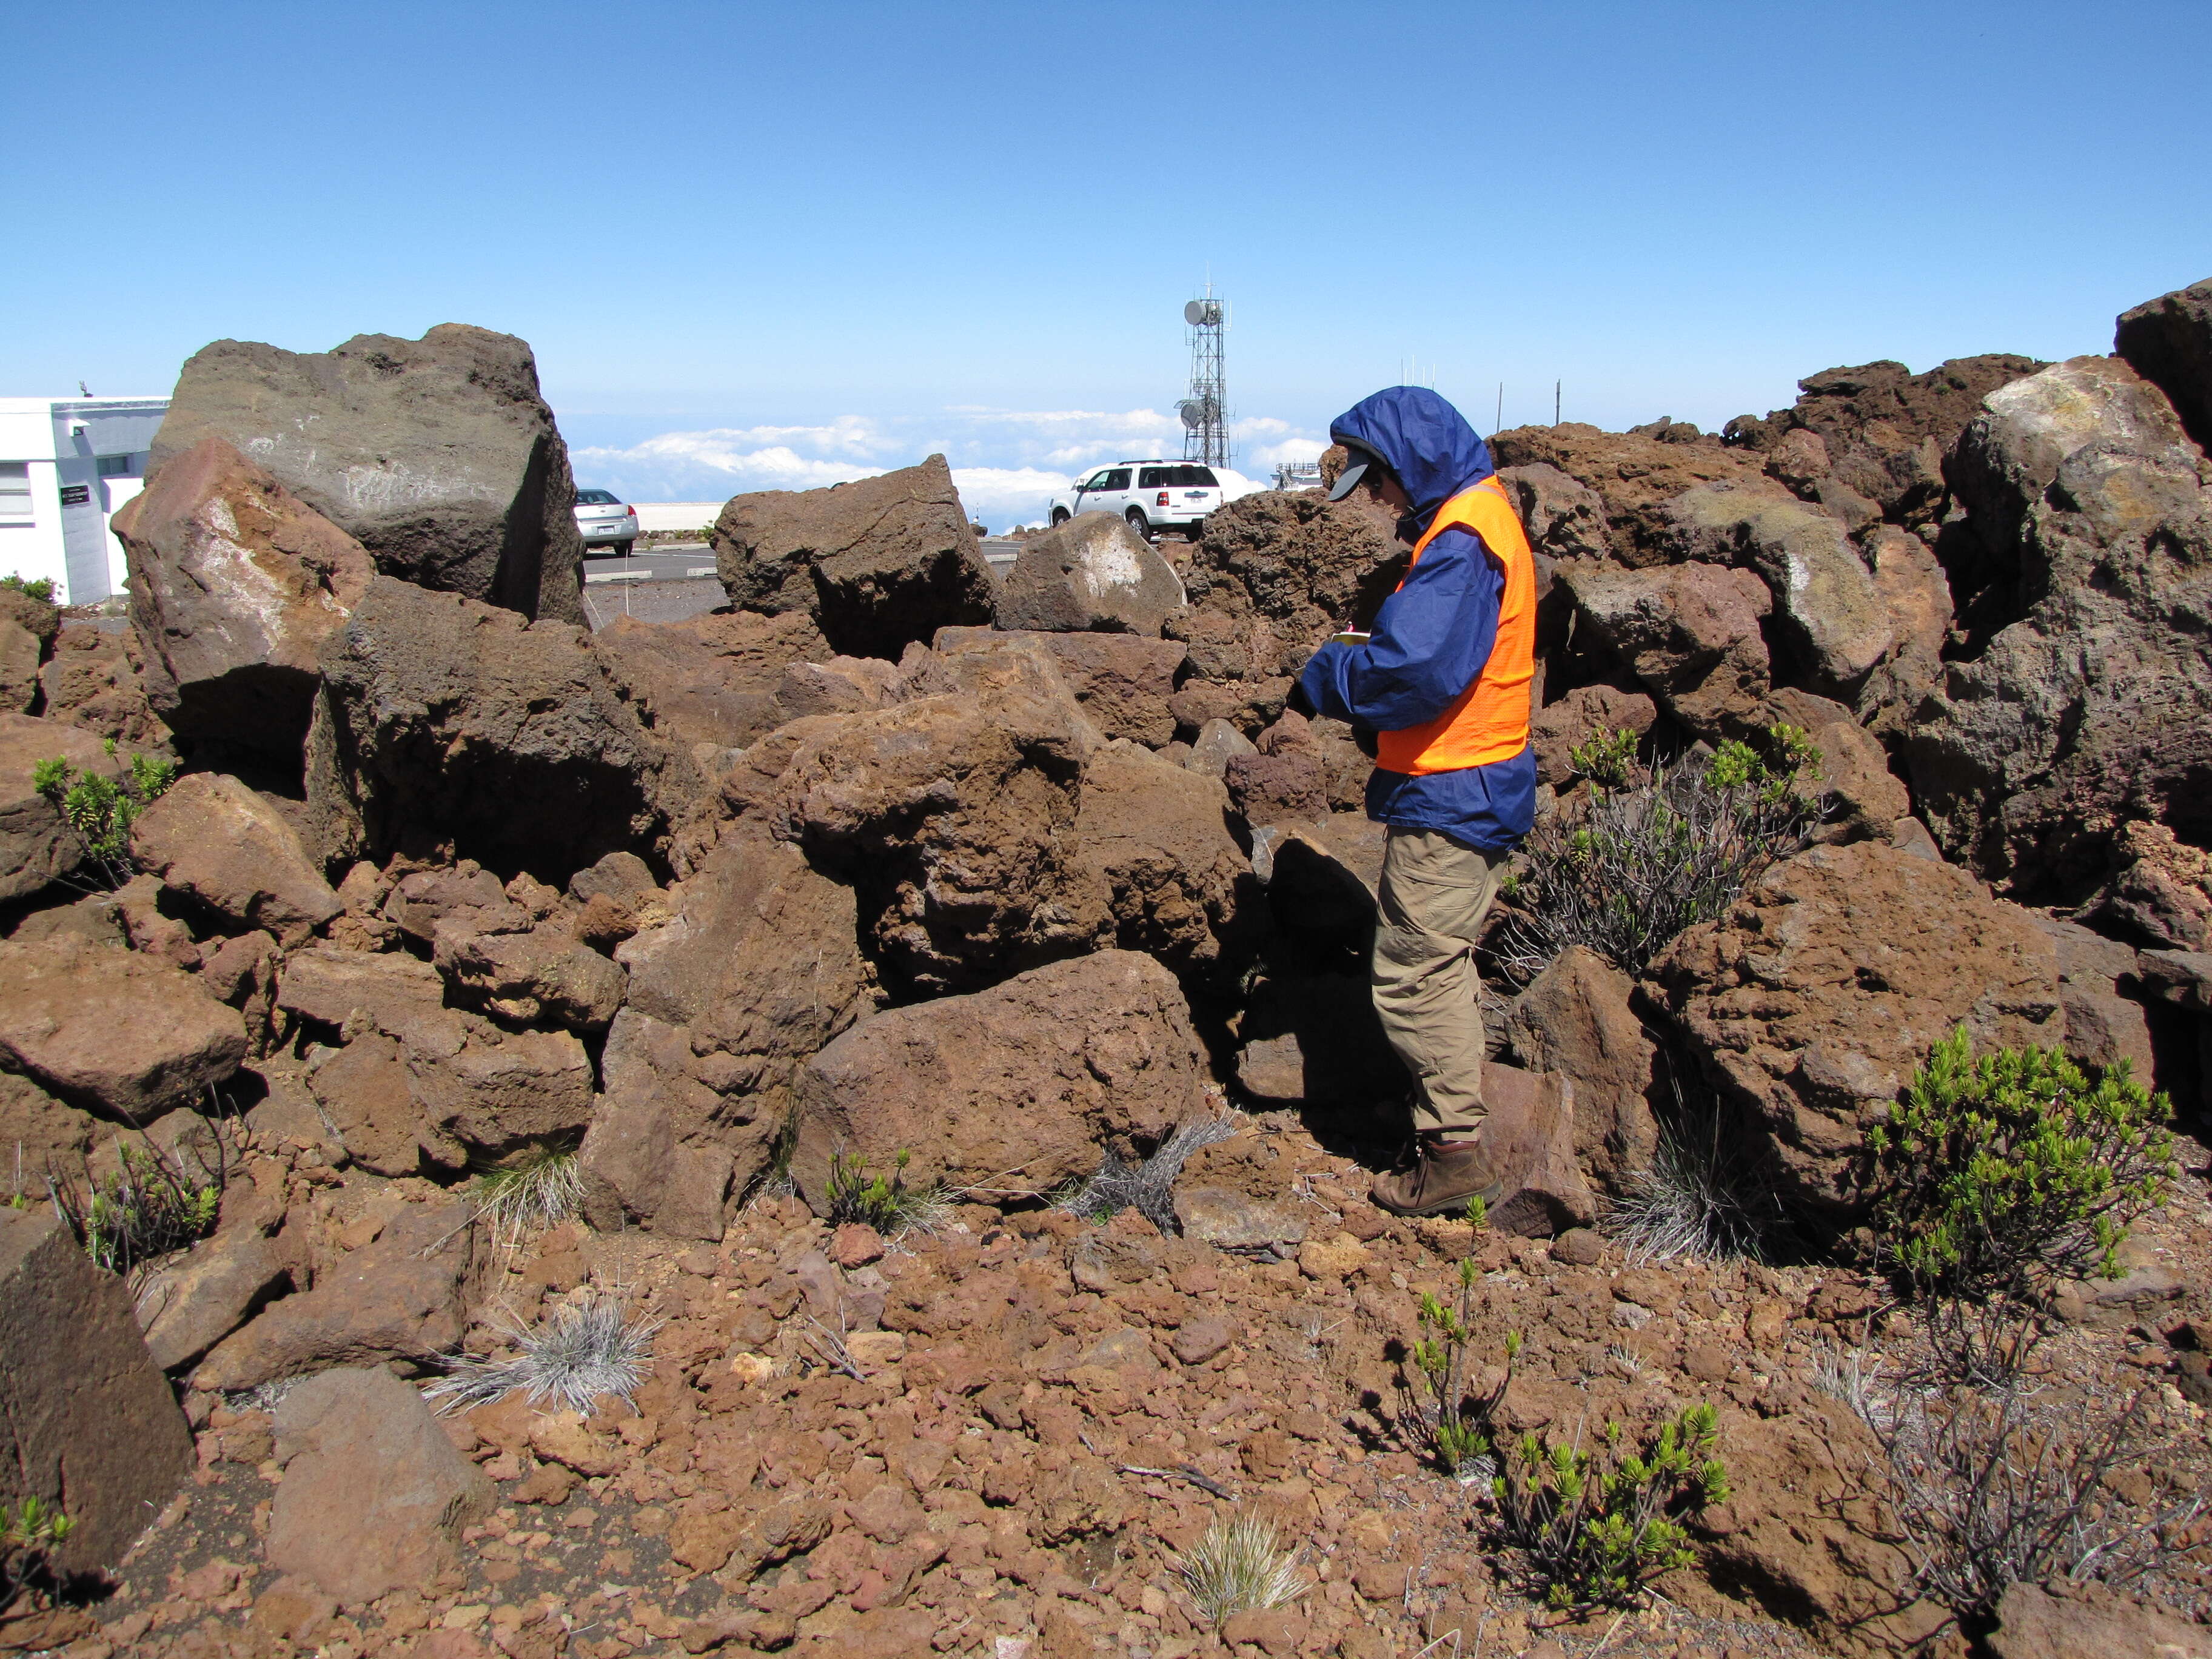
1206	411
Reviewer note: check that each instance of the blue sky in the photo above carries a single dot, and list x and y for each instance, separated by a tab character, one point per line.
764	245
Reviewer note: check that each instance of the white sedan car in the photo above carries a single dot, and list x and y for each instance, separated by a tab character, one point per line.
606	522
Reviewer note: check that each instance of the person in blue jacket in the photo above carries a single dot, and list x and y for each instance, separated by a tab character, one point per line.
1443	682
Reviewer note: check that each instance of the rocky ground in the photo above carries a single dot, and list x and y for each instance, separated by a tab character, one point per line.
1009	885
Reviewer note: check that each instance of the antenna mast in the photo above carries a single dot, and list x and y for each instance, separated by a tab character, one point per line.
1205	412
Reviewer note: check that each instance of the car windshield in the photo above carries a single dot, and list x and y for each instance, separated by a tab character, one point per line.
596	498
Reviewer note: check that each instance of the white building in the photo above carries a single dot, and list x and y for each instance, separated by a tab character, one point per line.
66	464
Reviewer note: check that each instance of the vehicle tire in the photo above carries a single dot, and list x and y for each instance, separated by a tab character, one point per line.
621	549
1139	522
1060	516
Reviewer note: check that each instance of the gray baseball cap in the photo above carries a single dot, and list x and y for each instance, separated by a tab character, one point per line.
1355	471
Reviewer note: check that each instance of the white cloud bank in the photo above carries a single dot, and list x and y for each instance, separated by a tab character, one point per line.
1008	464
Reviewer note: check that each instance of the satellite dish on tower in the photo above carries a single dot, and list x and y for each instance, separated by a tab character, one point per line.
1195	411
1202	314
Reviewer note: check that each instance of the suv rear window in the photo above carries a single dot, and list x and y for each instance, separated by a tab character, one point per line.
1176	477
596	498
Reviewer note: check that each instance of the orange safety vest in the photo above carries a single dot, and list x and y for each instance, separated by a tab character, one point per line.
1489	720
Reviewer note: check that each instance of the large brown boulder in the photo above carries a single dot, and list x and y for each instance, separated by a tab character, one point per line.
233	583
1564	518
1308	565
2090	705
951	815
1635	475
87	1419
213	839
711	678
1179	887
20	657
37	845
1094	573
374	1497
1023	1086
1122	682
445	721
1690	633
2168	341
95	680
2033	1623
111	1029
37	1133
1575	1018
878	563
1877	432
757	966
1812	1003
439	454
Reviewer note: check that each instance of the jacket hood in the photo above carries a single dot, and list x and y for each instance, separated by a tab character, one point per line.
1427	442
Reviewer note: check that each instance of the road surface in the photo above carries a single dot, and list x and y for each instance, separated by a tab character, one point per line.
669	583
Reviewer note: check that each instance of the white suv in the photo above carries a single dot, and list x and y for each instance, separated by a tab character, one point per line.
1154	495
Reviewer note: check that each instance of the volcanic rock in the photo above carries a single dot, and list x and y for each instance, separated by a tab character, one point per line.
20	655
1178	885
212	838
1865	798
1691	633
2092	707
1277	789
1917	597
1586	711
1832	625
1814	1001
437	454
374	1495
1636	477
878	563
87	1419
531	973
1093	573
366	1097
37	1133
442	719
1120	681
95	681
37	845
329	985
1575	1019
2032	1623
40	618
235	582
1308	565
1564	516
1039	1076
191	1303
711	678
2168	341
1530	1130
1315	1038
399	1297
111	1028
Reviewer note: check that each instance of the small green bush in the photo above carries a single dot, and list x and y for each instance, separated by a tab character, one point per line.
883	1202
1995	1173
152	1204
1439	1411
1596	1527
30	1531
40	588
1654	851
99	809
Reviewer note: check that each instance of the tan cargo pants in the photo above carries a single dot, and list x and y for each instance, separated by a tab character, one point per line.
1435	894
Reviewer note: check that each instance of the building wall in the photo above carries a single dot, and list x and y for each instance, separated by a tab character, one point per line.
61	443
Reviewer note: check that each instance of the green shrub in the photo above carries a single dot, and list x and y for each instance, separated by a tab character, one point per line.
40	589
30	1531
1596	1525
1439	1411
155	1203
1653	851
883	1202
100	809
1994	1175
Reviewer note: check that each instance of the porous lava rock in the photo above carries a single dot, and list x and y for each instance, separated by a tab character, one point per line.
1635	476
445	721
1812	1003
1690	633
878	563
214	839
1095	572
2035	1623
1308	565
95	681
438	455
1178	886
1122	682
110	1028
2168	341
1576	1019
2091	706
1916	596
375	1495
951	814
1028	1083
87	1419
711	678
192	1301
21	653
52	1134
1586	711
1531	1131
1564	518
1877	431
37	844
235	582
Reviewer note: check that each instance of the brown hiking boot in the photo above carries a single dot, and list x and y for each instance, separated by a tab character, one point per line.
1443	1176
